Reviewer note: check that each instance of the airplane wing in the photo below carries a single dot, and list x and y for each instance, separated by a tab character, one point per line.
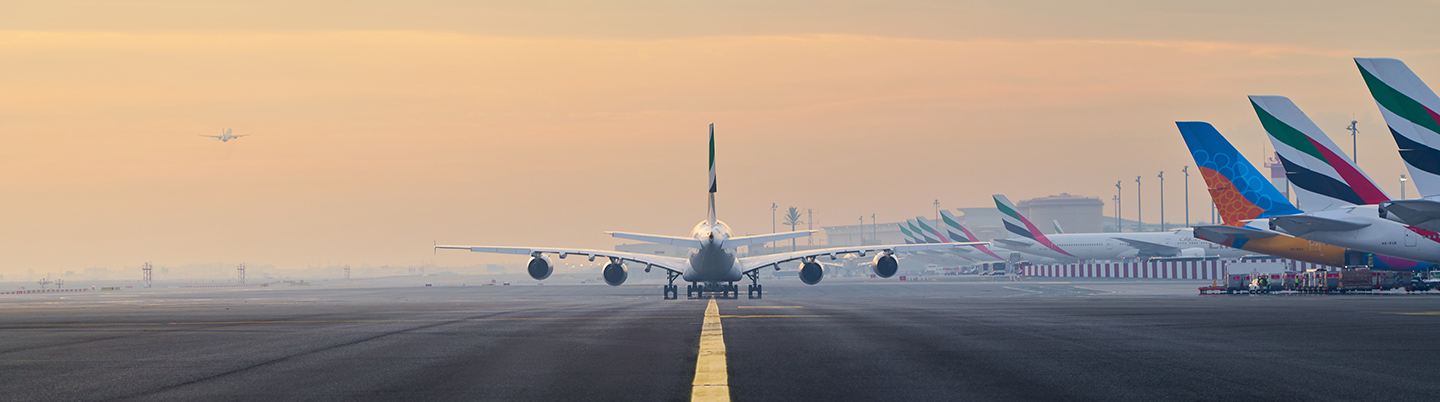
1299	225
658	239
748	264
241	135
1150	249
1221	231
1011	244
734	242
1414	212
675	264
211	136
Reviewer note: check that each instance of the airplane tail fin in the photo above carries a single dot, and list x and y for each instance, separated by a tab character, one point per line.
920	235
931	230
1323	176
1017	224
909	237
1058	230
711	214
1412	112
958	232
1238	190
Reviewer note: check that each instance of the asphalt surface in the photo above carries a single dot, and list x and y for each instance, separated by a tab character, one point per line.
954	339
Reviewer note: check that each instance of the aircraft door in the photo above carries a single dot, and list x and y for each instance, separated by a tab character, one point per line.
1109	244
1410	239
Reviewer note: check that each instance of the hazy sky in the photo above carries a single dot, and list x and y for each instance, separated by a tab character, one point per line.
380	127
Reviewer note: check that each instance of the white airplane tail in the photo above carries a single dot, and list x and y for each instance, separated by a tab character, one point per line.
711	215
1323	176
1410	110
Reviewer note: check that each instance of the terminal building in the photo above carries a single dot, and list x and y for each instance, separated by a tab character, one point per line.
1075	214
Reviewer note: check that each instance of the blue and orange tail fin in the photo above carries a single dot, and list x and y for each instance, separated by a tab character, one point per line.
1239	191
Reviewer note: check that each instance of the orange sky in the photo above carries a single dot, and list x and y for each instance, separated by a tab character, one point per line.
382	128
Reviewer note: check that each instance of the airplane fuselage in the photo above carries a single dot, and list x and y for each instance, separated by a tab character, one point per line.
1382	236
712	262
1107	246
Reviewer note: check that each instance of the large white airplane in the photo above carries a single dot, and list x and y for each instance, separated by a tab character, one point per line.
711	266
225	136
1246	200
1073	247
1324	176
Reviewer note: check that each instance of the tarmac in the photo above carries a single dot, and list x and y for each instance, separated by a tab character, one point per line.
956	338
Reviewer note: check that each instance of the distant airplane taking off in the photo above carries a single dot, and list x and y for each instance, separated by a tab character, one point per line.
712	265
225	136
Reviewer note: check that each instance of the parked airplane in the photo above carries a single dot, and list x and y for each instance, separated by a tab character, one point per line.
1241	194
1409	107
711	265
225	136
958	232
1073	247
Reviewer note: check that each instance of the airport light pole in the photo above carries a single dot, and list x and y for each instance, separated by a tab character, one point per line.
1354	150
1116	207
937	212
772	222
874	230
1162	200
1139	205
1186	171
1402	186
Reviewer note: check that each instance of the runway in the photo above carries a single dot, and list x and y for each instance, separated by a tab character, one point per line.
844	339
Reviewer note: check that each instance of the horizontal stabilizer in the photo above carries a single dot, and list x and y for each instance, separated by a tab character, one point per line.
1299	225
658	239
1209	232
734	242
1414	212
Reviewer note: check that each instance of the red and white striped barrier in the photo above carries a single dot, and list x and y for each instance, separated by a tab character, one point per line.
1153	270
37	291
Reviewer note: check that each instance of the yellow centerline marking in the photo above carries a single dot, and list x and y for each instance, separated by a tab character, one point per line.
770	306
712	381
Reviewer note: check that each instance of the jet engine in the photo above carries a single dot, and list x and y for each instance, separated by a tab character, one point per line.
540	267
811	273
614	273
1191	252
885	266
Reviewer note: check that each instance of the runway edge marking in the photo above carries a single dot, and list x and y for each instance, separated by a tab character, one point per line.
712	381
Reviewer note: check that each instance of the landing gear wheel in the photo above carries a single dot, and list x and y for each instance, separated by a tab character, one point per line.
672	292
755	292
690	292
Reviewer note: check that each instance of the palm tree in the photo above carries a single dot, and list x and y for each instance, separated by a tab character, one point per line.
792	218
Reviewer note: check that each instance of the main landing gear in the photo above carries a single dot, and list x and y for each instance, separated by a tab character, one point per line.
755	290
672	291
712	290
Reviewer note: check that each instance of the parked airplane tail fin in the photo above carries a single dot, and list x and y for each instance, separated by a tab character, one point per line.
1017	224
1323	176
1412	112
1238	190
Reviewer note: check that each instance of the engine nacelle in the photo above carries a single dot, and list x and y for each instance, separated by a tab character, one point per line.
885	266
811	273
540	267
614	274
1191	252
